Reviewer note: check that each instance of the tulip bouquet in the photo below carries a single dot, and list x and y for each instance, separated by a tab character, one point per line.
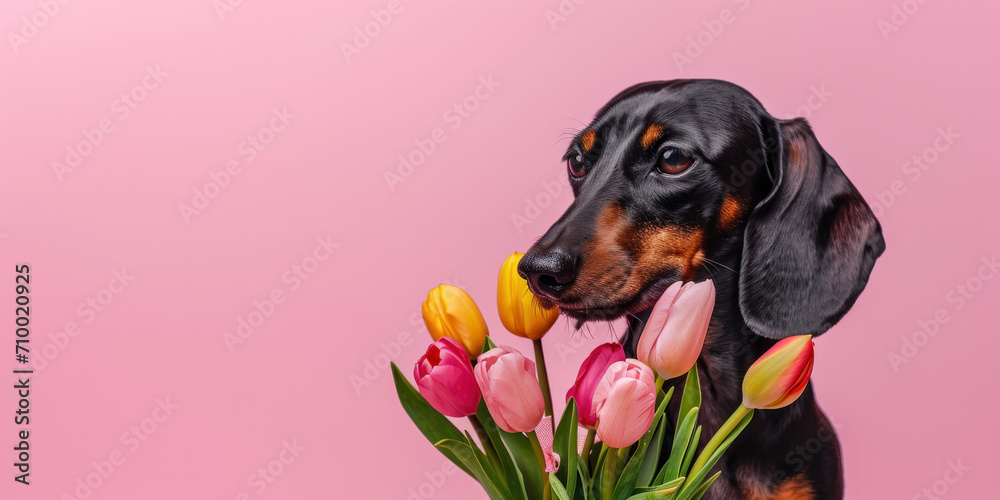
611	441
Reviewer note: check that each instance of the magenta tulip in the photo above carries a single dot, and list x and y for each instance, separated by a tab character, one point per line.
445	379
626	401
590	374
510	389
675	331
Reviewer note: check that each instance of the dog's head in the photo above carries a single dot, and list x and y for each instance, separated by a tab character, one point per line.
671	175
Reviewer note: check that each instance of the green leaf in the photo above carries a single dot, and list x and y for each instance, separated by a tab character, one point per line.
467	457
565	445
692	394
672	469
557	487
612	468
629	475
690	453
666	401
433	425
524	456
648	468
691	487
489	467
488	344
657	492
598	474
512	475
584	479
700	492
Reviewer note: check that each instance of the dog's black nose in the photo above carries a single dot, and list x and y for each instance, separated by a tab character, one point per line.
548	273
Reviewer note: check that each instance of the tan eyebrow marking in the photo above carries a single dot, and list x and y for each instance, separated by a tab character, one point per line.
587	140
652	133
730	213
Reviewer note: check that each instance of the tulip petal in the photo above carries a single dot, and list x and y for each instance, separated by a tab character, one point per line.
510	389
657	318
778	377
450	312
626	413
680	344
625	400
521	401
590	374
444	378
519	309
675	332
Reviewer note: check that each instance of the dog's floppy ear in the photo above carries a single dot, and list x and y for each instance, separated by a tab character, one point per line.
810	244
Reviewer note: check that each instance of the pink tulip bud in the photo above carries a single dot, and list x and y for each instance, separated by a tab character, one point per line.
590	374
626	401
778	377
445	379
675	331
510	389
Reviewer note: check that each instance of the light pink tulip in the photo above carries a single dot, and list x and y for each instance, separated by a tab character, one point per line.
510	389
445	379
626	401
675	331
591	372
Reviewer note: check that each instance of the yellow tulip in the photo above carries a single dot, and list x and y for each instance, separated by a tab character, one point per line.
450	312
518	308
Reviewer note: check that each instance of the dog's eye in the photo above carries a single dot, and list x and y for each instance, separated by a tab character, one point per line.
673	161
576	168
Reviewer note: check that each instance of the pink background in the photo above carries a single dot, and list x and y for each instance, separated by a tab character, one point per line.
295	377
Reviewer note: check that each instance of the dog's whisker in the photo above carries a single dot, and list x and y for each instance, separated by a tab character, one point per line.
721	265
643	323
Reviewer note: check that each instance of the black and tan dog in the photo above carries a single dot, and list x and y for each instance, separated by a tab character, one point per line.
693	179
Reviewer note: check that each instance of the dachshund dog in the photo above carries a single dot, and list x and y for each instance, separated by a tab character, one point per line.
693	180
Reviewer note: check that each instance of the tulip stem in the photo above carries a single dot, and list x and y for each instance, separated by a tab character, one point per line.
543	376
659	383
614	462
718	438
587	445
484	438
540	455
